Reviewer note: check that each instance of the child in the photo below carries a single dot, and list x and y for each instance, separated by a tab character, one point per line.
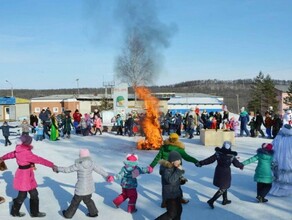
25	127
172	144
252	126
171	173
97	124
263	173
39	132
67	125
222	176
5	131
129	183
24	180
85	184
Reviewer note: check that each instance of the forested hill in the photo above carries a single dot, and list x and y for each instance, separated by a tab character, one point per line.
226	89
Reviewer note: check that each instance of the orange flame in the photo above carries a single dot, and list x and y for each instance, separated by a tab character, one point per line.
150	123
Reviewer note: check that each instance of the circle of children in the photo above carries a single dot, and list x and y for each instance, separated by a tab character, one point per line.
169	157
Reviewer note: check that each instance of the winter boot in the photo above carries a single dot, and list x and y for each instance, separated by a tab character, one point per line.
15	209
93	216
261	199
225	200
184	201
34	209
64	214
132	208
214	198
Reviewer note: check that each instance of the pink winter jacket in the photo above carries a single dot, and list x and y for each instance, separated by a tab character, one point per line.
97	123
24	179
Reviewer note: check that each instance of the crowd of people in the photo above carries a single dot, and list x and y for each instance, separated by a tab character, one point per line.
273	172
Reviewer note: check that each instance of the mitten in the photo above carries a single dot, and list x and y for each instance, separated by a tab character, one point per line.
150	169
55	169
198	164
110	179
183	180
135	173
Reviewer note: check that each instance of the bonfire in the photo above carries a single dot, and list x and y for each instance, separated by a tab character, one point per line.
150	124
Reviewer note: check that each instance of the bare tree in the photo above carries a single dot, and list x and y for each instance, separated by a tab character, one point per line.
135	65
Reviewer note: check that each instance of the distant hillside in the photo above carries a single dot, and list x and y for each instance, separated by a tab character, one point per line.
226	89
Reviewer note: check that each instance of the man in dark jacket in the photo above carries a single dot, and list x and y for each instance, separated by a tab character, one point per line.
33	121
258	123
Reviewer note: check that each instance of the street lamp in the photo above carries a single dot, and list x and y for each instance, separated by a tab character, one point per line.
237	99
77	81
11	87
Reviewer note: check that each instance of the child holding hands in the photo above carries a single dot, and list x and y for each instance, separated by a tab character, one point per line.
171	174
222	176
24	180
263	172
84	166
129	183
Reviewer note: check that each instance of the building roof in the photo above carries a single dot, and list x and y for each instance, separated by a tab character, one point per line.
283	88
194	101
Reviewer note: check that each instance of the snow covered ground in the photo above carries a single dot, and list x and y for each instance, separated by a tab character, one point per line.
109	150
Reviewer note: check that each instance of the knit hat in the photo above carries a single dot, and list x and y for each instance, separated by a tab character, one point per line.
267	146
84	153
227	145
26	139
132	157
289	111
174	136
173	156
131	160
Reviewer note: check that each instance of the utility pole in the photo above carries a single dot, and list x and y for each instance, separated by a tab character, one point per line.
107	85
237	99
78	92
11	88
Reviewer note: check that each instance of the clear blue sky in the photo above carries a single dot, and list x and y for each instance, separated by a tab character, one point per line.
49	43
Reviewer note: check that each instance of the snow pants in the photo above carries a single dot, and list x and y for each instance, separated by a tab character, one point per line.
173	210
263	189
127	193
69	213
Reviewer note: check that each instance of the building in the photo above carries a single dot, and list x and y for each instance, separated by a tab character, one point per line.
183	104
281	91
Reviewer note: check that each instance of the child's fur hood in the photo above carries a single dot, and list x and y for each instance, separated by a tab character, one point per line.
165	163
177	143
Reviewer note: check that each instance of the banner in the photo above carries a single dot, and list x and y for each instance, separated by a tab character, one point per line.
120	99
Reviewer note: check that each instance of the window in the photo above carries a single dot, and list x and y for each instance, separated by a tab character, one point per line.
37	109
55	109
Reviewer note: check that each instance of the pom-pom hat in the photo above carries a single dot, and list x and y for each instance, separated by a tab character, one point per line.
131	160
132	157
84	153
267	146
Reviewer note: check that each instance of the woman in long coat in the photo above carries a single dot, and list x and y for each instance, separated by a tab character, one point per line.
24	180
222	176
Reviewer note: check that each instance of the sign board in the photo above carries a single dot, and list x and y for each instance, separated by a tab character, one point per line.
7	100
120	99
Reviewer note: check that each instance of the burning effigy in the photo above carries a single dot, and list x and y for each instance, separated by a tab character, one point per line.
150	124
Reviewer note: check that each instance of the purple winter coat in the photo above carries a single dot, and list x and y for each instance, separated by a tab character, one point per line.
24	179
